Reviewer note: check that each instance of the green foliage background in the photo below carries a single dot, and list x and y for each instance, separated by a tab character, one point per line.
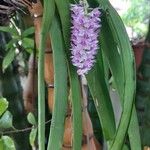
137	16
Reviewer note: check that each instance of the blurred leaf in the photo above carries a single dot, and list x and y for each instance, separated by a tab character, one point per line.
29	50
31	119
32	136
125	147
10	30
8	58
8	143
28	43
137	19
11	43
28	32
6	120
3	105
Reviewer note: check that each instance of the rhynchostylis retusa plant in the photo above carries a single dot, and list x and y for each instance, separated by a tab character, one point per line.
115	48
81	47
114	52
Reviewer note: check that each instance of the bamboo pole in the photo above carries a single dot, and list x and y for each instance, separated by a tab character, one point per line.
146	148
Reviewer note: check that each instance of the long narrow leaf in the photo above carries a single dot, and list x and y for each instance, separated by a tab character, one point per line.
101	97
76	109
133	132
124	49
116	66
60	90
49	9
113	54
63	9
123	43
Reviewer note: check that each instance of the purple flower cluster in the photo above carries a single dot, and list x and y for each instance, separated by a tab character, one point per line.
84	37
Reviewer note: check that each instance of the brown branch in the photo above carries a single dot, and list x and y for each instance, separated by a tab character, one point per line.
6	7
6	10
21	3
22	130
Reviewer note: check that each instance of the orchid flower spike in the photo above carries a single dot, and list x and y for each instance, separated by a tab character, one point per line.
84	36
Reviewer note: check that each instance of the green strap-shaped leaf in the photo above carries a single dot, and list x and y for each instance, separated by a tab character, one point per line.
113	54
63	9
64	12
106	68
60	90
133	132
122	40
49	10
128	59
123	47
100	94
116	65
76	108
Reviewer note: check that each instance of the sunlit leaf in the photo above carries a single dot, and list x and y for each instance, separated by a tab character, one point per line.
6	120
8	143
31	118
3	105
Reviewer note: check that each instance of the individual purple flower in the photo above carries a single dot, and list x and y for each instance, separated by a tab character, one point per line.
84	36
